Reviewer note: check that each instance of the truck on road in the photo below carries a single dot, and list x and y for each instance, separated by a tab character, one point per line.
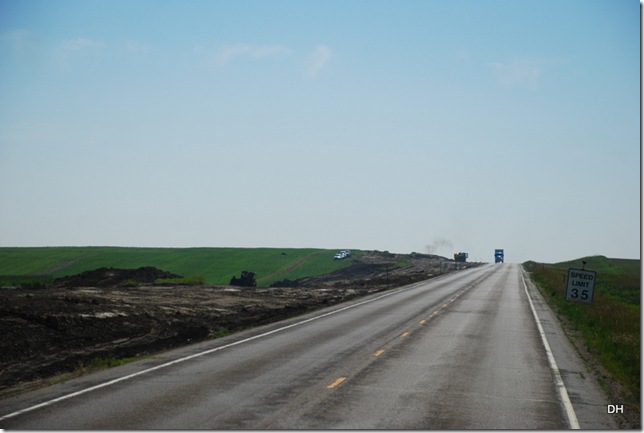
498	256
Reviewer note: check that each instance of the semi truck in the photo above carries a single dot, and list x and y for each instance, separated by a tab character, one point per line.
498	256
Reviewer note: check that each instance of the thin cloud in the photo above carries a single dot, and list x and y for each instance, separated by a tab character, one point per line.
520	72
136	47
318	60
78	44
227	53
76	48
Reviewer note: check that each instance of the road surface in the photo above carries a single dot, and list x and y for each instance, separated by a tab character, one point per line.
462	351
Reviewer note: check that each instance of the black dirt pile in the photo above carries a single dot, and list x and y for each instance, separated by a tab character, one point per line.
46	332
111	277
381	270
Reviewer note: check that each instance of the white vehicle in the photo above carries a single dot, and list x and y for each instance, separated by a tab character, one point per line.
342	255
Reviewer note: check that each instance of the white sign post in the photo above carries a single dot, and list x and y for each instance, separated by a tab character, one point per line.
581	285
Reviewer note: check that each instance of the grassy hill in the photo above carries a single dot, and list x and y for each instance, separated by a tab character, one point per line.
610	326
214	265
618	279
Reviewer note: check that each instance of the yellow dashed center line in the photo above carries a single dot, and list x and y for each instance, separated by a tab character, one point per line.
422	322
405	334
337	382
380	352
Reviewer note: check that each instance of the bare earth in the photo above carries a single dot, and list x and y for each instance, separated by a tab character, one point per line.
57	331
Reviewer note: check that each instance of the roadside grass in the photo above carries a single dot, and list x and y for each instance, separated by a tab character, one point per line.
212	265
610	325
224	332
100	363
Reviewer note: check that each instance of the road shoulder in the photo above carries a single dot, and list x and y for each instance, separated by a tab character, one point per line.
589	401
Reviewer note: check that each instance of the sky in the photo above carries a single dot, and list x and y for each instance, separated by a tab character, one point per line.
429	126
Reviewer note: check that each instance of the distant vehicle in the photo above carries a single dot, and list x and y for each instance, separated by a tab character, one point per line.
460	257
498	256
342	255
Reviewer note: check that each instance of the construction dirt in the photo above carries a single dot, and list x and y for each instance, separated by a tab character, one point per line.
110	314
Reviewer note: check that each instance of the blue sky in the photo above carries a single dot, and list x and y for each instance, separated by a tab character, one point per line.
428	126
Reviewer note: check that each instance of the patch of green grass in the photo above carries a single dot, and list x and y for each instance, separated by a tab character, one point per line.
316	262
25	281
214	265
99	363
610	325
404	263
222	333
39	260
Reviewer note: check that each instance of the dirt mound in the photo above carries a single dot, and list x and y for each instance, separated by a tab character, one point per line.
112	277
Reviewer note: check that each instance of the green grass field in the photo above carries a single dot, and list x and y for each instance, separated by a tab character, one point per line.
213	265
610	325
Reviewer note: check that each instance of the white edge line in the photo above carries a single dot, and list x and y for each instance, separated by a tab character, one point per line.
561	387
195	355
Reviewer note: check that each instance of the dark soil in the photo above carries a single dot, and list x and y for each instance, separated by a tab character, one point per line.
110	277
112	313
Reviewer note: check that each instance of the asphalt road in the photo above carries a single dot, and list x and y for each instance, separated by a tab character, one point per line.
462	351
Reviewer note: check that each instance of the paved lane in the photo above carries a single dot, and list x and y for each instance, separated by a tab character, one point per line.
480	364
460	351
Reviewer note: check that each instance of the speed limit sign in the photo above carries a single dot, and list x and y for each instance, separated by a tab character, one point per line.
581	285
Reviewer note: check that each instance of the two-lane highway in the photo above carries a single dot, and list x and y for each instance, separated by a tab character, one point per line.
459	351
